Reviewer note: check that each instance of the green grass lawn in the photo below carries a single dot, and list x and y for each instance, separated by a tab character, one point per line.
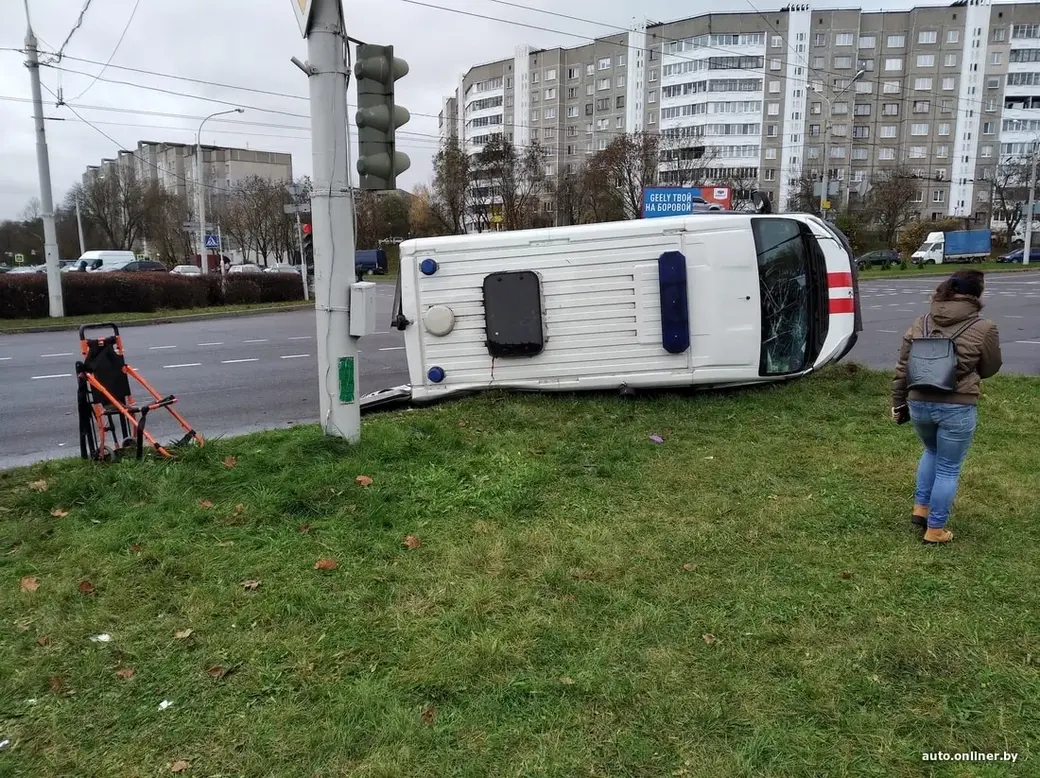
530	586
942	270
9	326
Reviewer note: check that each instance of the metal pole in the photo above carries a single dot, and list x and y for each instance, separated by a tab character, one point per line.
220	251
200	205
50	234
826	138
1029	208
303	259
332	222
79	227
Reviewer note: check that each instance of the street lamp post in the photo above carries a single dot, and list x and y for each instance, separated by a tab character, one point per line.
827	134
199	184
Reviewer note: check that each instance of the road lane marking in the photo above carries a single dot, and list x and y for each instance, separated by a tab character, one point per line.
1030	342
295	356
5	359
392	348
218	343
893	332
258	340
159	348
63	354
187	364
1010	316
300	337
57	375
236	361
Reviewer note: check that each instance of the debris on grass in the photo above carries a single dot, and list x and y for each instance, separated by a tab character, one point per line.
325	564
363	480
30	584
183	634
411	542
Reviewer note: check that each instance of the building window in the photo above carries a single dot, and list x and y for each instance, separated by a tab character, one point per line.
942	152
549	132
999	34
890	109
550	113
840	109
837	152
886	154
651	118
923	84
815	108
621	60
994	83
1025	31
944	128
770	153
769	174
652	96
938	195
893	64
865	64
572	111
867	41
818	63
620	82
953	36
844	39
987	128
550	75
590	90
774	109
774	87
842	63
620	123
896	41
861	109
774	64
927	36
919	129
985	151
603	83
860	133
619	101
776	42
925	60
653	76
950	60
550	94
891	88
604	64
889	131
819	39
573	73
814	130
590	69
996	58
917	152
860	154
949	83
603	124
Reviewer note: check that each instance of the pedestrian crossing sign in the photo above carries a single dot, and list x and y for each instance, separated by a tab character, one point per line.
212	242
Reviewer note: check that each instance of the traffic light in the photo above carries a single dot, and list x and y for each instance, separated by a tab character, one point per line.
308	246
375	71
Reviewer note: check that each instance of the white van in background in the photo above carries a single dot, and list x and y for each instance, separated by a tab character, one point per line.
97	259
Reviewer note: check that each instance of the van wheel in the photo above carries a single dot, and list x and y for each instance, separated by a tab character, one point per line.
930	262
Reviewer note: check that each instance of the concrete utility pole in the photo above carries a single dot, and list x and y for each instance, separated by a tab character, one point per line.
826	138
1033	161
79	228
332	215
50	234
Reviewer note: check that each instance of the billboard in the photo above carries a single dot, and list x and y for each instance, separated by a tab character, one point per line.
682	201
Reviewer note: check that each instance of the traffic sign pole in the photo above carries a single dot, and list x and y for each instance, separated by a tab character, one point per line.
332	221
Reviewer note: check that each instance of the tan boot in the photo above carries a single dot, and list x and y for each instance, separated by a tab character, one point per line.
919	517
937	535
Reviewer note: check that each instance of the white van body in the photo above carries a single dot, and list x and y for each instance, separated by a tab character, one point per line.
98	259
599	304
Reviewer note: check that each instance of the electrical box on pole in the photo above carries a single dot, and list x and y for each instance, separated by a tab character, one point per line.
378	116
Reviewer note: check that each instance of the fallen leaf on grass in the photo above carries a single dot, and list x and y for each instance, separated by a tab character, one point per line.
165	704
102	638
86	587
238	510
126	673
709	638
217	672
845	575
183	634
43	640
58	513
325	564
56	682
225	543
230	461
462	422
690	568
207	504
38	486
304	529
411	542
656	439
30	584
428	715
363	480
567	681
180	766
250	586
136	548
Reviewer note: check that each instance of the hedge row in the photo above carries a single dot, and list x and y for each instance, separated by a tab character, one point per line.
88	294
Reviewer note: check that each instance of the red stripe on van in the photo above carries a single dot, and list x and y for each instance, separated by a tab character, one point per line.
842	305
839	279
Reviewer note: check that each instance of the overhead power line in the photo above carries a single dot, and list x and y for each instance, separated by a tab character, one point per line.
76	26
119	43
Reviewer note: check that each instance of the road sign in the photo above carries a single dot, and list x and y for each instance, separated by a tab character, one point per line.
300	208
19	259
212	242
303	10
678	201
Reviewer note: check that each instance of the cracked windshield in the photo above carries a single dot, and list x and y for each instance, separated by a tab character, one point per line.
782	266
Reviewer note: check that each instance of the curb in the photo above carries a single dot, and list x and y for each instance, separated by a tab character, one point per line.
925	274
164	319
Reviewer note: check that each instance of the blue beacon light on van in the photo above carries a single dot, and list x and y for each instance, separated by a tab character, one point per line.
428	267
436	374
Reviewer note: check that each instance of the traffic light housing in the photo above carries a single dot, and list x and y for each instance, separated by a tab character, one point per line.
308	246
378	117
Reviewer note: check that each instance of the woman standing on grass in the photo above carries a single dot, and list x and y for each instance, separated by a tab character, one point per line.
945	420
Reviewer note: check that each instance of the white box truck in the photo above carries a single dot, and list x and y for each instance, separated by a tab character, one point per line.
705	300
954	246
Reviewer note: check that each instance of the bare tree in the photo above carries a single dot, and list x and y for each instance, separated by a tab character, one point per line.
686	161
1011	191
120	205
452	179
632	162
804	199
32	211
255	220
515	178
424	218
892	202
165	228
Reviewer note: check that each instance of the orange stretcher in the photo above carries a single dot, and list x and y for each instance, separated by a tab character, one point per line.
104	399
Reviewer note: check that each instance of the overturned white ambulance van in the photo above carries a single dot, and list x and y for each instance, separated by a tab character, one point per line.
715	299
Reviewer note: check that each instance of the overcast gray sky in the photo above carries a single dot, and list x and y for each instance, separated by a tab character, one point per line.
249	43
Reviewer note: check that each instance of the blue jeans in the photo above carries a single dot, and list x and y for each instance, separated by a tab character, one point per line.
946	430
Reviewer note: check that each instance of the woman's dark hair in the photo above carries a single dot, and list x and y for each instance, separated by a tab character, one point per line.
967	282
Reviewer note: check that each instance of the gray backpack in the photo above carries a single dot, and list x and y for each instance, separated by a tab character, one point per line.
932	363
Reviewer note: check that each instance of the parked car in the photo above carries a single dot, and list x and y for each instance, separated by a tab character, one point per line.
26	269
246	268
137	266
187	270
1018	254
880	258
283	268
700	205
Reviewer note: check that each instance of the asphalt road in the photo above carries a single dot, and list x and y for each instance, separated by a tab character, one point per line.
239	375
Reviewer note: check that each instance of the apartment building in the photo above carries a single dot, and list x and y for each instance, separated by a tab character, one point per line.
764	99
174	167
